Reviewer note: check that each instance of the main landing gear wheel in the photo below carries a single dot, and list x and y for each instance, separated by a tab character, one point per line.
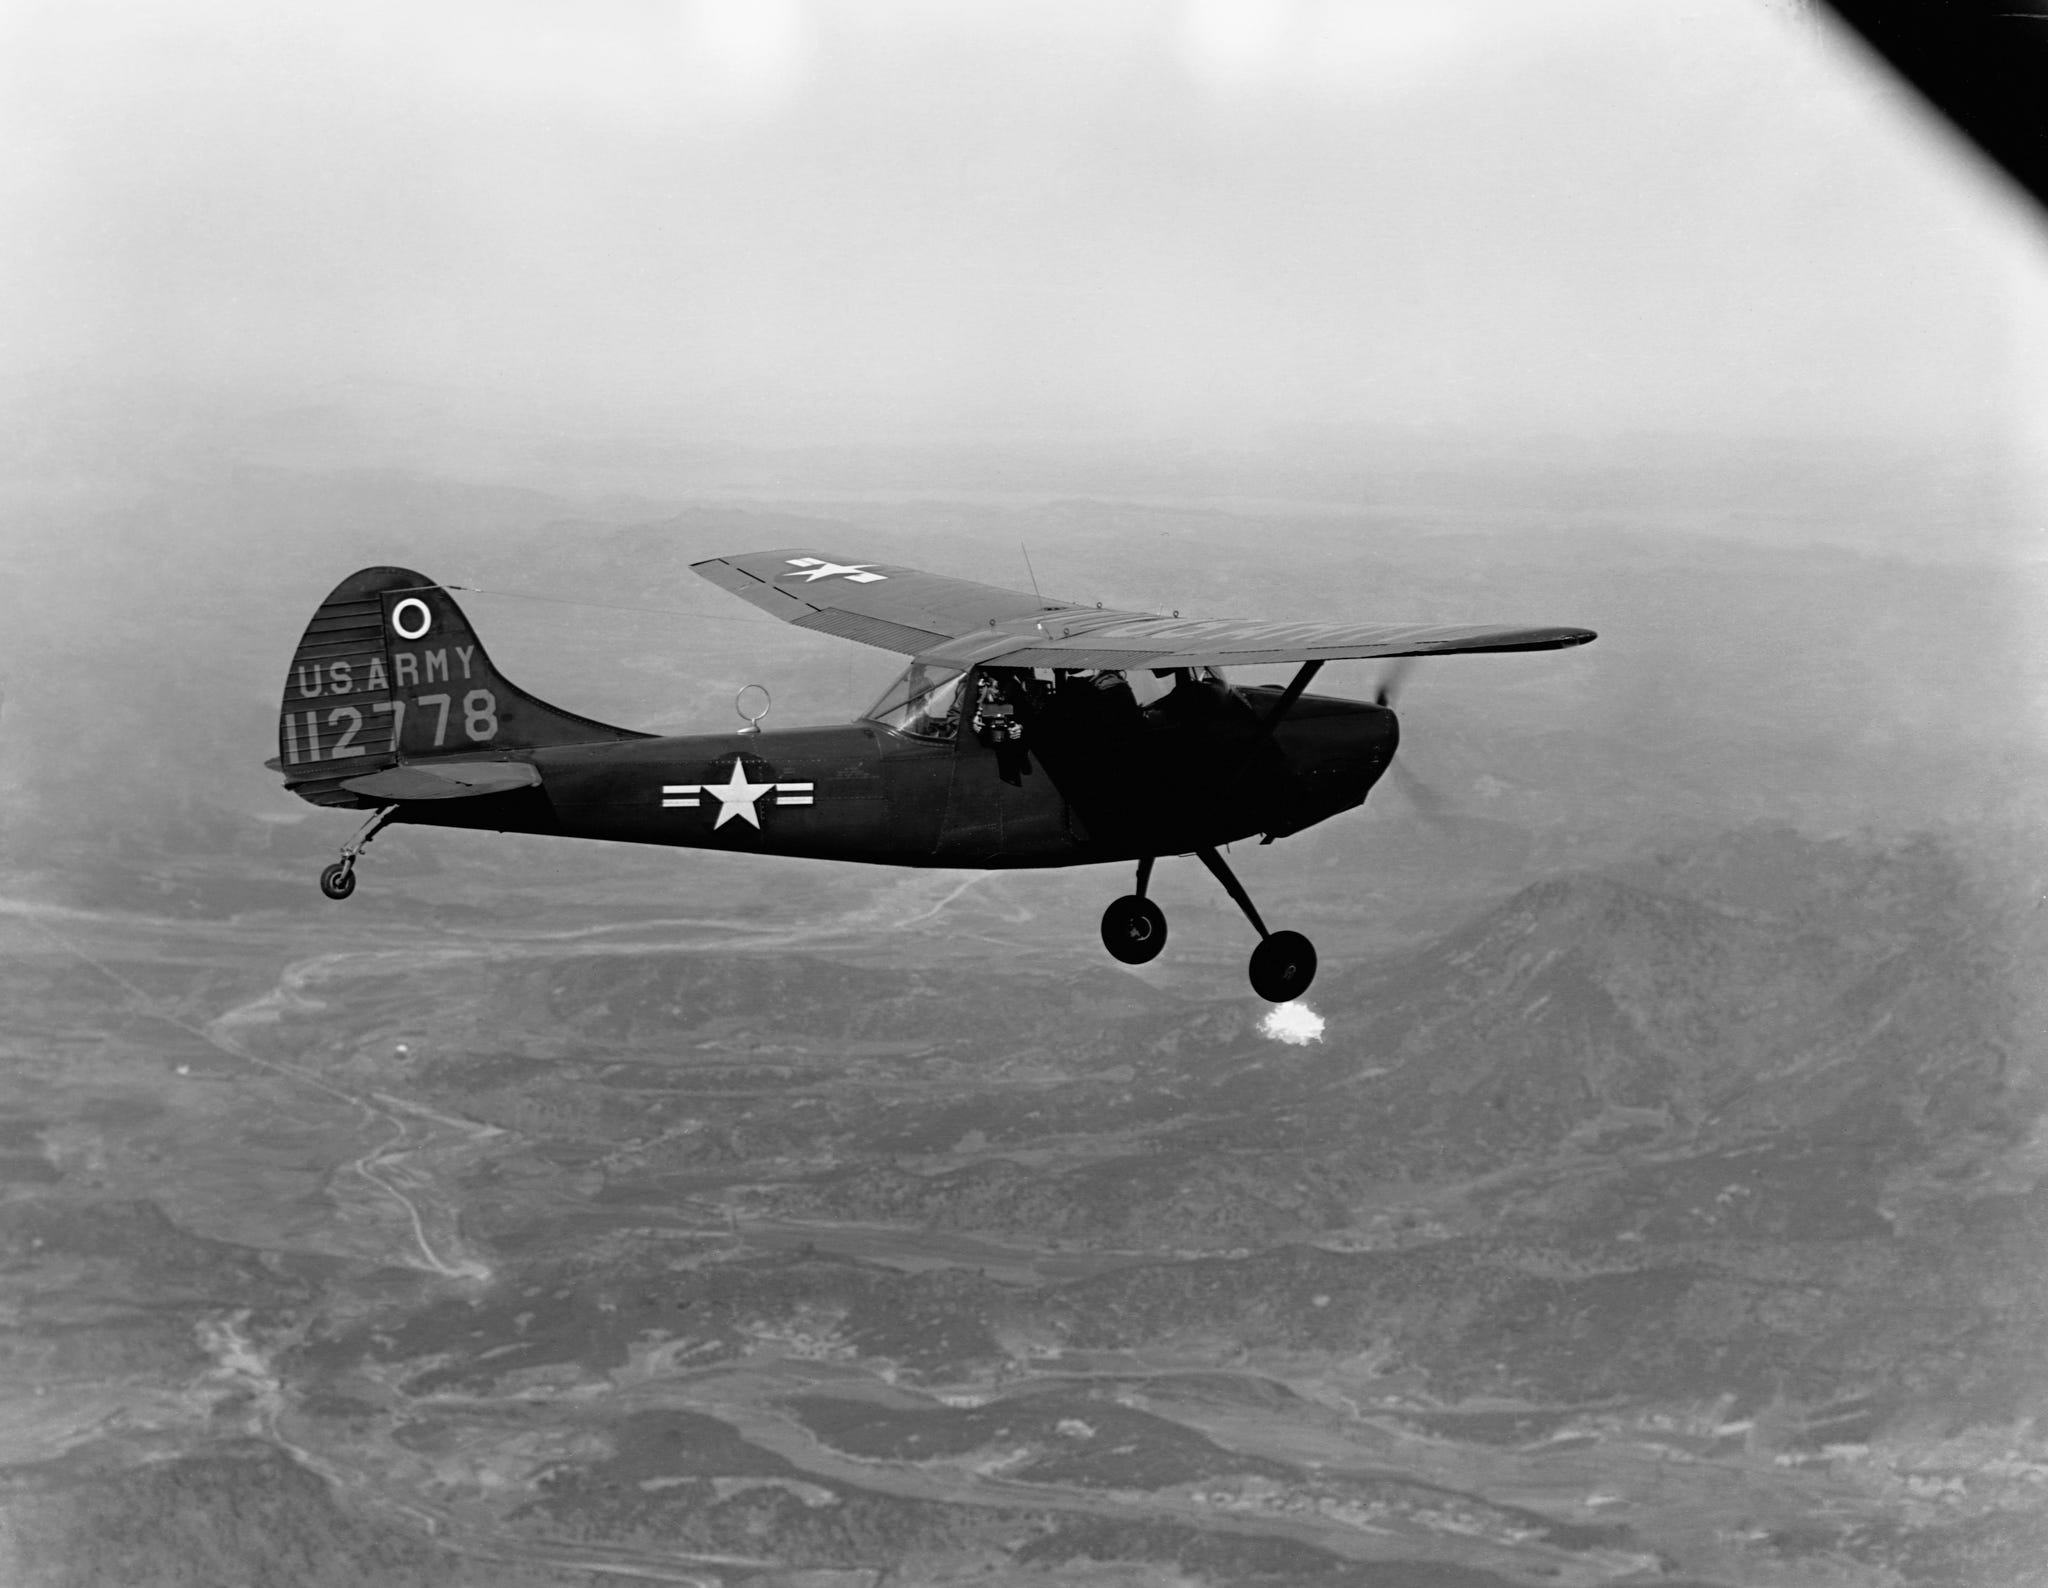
1134	929
1282	967
338	881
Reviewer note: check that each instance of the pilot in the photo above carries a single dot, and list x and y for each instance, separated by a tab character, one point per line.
1114	691
1193	696
1094	703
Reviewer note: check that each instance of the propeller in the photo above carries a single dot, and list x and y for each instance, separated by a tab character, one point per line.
1392	679
1432	806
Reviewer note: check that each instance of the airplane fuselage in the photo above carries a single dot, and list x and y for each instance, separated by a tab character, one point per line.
863	791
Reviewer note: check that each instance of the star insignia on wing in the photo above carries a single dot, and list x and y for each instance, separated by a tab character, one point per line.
812	569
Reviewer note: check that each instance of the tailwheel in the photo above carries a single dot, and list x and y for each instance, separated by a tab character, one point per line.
1283	965
1134	929
338	881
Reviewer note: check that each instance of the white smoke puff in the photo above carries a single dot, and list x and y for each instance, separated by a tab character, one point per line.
1295	1024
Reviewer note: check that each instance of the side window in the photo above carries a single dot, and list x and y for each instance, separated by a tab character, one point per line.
936	714
924	703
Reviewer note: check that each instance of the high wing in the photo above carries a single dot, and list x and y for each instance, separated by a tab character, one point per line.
877	603
958	622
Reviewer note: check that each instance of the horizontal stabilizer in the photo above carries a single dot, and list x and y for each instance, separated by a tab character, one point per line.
444	780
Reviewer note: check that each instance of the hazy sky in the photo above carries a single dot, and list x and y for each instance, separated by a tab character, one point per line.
1184	218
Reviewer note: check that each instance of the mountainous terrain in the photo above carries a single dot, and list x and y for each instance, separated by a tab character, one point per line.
1661	1202
688	1249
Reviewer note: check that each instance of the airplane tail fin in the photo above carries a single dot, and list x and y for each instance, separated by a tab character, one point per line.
390	671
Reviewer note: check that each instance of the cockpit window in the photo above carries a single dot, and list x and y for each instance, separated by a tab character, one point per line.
923	703
1148	686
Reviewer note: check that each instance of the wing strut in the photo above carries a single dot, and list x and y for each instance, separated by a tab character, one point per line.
1233	887
1291	695
1284	963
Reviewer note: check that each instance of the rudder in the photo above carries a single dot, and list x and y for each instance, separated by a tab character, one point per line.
390	670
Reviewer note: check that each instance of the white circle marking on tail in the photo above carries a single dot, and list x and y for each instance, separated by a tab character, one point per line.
398	619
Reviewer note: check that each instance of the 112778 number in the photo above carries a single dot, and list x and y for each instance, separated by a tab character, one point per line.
302	729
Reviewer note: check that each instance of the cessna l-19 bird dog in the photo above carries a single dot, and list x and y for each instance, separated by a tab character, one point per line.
1024	732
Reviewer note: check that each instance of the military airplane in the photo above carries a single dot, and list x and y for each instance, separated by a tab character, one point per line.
1023	732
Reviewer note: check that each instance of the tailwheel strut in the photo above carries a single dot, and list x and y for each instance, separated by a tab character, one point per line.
1284	963
338	881
1133	927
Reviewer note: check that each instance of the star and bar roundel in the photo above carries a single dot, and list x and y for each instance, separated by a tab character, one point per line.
740	796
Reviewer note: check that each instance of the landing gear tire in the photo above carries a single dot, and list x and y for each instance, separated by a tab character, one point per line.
1134	930
338	881
1282	967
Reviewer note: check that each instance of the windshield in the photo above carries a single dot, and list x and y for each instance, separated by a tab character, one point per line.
923	702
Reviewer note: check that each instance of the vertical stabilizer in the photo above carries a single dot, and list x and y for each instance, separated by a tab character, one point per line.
389	670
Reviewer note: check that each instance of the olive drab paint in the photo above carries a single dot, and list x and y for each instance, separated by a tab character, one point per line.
389	670
1022	733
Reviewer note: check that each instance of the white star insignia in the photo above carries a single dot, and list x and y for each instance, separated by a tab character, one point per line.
736	797
812	569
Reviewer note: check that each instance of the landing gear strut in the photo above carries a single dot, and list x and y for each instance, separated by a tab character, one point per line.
338	881
1284	963
1134	931
1133	927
